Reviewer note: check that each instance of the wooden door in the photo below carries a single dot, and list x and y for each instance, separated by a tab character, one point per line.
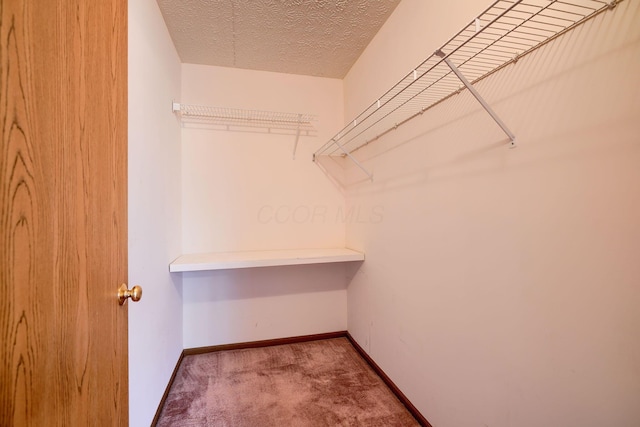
63	123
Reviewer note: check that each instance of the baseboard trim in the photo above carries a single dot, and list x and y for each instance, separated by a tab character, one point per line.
264	343
394	388
156	417
292	340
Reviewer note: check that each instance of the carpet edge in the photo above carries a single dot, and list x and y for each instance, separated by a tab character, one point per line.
389	383
165	395
265	343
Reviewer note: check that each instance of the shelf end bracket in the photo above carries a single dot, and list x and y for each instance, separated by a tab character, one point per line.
353	159
479	98
295	144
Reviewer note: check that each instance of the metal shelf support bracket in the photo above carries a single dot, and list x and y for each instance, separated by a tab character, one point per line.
353	159
295	144
478	97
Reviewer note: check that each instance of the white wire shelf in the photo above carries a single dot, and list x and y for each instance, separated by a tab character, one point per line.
235	117
500	35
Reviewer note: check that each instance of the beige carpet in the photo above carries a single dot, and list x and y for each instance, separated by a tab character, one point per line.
317	383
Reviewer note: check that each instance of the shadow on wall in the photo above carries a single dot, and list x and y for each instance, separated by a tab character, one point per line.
262	282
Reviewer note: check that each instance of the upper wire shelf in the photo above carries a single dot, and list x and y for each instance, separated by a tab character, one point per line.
236	119
500	35
240	119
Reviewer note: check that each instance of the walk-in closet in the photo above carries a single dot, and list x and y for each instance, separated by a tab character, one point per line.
462	198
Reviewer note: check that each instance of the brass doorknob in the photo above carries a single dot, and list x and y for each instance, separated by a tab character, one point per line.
123	293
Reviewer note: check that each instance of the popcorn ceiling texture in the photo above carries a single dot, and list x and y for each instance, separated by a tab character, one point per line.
312	37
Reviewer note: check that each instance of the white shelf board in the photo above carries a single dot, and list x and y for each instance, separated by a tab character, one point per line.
249	259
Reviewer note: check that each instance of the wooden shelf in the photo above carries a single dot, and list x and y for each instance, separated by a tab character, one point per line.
249	259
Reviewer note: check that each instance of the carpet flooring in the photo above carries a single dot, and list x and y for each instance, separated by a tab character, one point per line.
316	383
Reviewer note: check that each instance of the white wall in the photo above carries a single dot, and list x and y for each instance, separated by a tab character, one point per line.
501	287
243	191
155	323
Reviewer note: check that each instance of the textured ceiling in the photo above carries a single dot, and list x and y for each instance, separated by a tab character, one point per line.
313	37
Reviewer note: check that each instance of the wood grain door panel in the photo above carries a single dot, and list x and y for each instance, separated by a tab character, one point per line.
63	118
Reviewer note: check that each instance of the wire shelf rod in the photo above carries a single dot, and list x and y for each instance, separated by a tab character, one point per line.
199	112
500	35
438	63
393	91
232	119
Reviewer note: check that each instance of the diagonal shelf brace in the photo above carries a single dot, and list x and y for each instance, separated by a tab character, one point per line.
295	144
353	159
479	97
